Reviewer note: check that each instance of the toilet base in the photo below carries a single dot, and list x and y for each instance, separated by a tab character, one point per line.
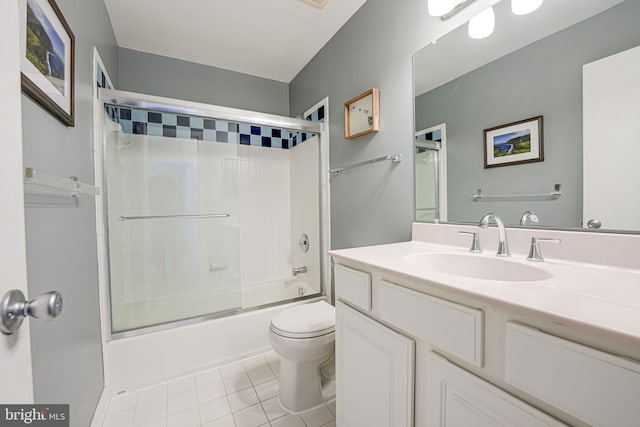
328	394
300	387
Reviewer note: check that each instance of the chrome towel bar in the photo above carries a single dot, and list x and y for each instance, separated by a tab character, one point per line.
133	218
395	158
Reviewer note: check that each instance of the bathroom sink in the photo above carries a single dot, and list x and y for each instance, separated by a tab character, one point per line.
477	266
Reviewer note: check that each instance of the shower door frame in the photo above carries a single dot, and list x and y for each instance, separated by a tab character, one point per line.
170	105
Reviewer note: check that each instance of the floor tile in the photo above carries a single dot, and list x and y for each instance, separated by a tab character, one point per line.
275	367
181	385
159	422
253	416
254	362
150	411
182	401
242	399
236	383
122	402
232	370
288	421
267	390
318	416
331	424
272	356
332	406
151	394
211	391
273	409
261	374
214	409
119	419
221	422
207	377
187	418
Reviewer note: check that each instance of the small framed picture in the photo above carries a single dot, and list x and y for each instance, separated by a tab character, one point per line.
514	143
362	114
47	48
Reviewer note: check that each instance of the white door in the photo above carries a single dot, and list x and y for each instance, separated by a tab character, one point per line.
374	372
611	108
15	350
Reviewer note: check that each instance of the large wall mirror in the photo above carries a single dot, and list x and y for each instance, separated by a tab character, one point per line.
576	63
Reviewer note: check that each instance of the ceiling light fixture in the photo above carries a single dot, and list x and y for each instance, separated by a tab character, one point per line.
522	7
440	7
483	24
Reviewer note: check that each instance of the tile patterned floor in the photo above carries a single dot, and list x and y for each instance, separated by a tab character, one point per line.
242	394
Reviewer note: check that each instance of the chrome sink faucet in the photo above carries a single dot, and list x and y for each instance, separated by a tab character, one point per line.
530	216
503	246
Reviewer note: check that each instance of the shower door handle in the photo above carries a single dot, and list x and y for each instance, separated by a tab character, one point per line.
14	308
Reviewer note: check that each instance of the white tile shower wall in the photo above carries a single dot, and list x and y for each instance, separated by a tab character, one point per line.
264	215
305	209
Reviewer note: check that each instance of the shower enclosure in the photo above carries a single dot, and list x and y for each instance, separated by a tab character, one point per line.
209	211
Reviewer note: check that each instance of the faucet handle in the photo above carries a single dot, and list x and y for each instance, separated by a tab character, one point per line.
534	252
475	242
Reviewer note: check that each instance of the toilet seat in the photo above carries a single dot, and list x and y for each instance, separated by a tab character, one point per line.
305	321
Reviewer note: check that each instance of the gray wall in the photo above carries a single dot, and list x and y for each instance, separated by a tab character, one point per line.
374	48
61	242
544	78
159	75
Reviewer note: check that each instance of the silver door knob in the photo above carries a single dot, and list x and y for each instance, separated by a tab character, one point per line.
594	223
14	308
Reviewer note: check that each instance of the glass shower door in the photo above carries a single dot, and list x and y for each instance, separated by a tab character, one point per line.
172	207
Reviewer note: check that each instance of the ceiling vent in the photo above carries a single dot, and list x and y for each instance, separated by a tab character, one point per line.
316	3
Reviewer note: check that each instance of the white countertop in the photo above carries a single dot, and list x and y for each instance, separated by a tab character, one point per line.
603	299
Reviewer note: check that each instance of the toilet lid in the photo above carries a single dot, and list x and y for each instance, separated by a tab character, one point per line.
305	320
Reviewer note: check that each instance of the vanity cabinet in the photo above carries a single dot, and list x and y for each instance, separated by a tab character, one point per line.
374	372
596	387
413	353
457	398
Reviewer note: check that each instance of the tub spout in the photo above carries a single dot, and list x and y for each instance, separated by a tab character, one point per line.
298	270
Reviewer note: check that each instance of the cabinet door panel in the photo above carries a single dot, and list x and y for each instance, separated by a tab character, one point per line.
599	388
375	371
457	398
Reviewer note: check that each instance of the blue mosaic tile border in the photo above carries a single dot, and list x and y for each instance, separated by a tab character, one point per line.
315	116
430	136
172	125
102	82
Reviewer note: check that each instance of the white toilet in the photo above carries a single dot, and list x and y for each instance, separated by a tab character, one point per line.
303	336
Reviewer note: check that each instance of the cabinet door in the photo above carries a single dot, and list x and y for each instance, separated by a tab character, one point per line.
457	398
374	372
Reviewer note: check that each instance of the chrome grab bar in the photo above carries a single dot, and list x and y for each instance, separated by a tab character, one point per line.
132	218
394	159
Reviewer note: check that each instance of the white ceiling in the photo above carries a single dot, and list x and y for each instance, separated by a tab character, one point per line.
456	54
273	39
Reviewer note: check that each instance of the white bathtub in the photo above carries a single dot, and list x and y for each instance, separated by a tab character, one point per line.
147	359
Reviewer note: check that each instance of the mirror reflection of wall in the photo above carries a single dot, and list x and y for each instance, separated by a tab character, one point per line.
430	161
542	78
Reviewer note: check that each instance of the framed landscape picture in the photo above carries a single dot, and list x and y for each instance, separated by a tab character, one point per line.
514	143
47	48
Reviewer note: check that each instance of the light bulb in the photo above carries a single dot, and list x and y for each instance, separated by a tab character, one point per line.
440	7
482	25
522	7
